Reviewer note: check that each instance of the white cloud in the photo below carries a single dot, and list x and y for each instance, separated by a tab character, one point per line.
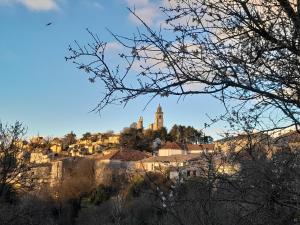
113	46
35	5
170	3
138	3
144	9
147	14
149	10
93	4
39	5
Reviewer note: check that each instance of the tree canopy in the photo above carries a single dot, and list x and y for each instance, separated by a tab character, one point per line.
69	139
140	139
13	160
86	136
188	134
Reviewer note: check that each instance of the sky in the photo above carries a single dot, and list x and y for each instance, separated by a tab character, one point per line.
51	96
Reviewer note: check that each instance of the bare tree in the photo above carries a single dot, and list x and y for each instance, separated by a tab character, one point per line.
13	166
245	53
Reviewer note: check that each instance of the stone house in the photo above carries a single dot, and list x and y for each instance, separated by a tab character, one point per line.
164	163
39	157
56	148
187	165
175	148
39	175
116	162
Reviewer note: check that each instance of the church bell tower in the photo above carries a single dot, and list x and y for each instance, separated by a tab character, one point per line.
140	123
159	119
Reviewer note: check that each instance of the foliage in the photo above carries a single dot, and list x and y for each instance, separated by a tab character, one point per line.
69	139
101	194
142	140
132	138
28	210
136	186
86	136
189	134
78	180
13	160
138	139
153	134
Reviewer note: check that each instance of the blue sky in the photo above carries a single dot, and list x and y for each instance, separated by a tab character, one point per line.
50	96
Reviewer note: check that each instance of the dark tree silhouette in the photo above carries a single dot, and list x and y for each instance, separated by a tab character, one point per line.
132	138
188	134
86	136
13	164
69	139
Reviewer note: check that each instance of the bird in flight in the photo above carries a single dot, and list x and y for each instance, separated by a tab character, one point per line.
48	24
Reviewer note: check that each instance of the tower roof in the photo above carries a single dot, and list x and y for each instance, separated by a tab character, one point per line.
159	110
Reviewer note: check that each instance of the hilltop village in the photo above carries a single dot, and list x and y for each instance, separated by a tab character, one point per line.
49	157
114	154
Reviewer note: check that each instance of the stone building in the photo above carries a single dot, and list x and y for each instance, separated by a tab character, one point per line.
158	121
39	157
56	148
175	148
139	124
115	163
163	163
39	176
45	174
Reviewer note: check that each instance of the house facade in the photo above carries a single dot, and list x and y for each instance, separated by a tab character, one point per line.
175	148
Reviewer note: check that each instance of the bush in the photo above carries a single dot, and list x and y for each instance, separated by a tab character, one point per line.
101	194
136	186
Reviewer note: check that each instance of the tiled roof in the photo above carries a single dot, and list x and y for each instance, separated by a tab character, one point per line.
200	147
173	158
125	155
176	145
172	145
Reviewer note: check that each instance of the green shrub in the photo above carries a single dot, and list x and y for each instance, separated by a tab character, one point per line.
101	194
